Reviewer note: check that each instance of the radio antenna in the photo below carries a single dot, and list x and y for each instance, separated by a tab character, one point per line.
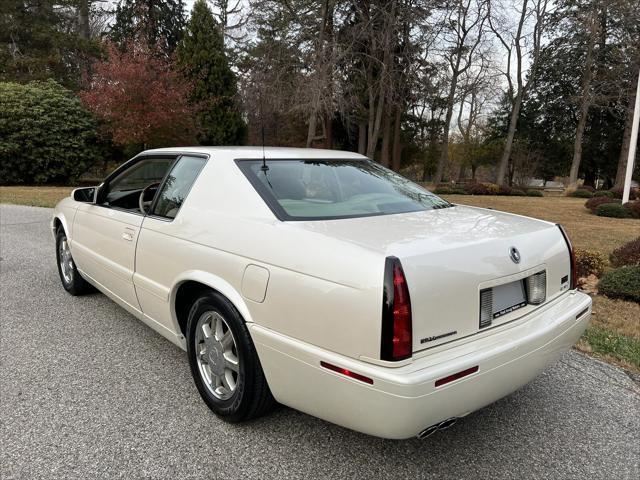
264	167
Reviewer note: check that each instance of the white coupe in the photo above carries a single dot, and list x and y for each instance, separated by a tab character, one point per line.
321	280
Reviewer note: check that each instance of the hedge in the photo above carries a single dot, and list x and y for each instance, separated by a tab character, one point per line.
614	210
45	134
623	283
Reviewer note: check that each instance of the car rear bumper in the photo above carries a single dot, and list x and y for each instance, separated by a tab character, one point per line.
403	401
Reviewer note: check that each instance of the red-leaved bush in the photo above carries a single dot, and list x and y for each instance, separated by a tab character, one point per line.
594	202
634	208
617	193
140	98
627	254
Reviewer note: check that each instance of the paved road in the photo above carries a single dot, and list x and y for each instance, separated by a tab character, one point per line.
87	391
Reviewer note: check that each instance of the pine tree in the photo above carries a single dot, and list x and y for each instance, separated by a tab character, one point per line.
202	59
160	22
38	41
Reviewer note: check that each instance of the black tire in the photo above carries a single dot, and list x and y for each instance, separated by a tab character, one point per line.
72	281
252	397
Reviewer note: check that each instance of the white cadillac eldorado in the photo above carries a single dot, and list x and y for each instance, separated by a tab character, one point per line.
321	280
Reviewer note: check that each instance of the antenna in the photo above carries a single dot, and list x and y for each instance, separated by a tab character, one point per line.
264	167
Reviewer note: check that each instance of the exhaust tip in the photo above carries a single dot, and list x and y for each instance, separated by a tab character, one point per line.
427	432
445	424
448	423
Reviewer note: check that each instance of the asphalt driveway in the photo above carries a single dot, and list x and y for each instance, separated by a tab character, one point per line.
87	391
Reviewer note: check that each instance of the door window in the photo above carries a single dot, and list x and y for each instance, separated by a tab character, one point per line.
124	190
177	186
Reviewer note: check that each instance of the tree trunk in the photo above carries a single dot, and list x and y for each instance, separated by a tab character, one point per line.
83	19
513	123
328	138
386	139
626	136
585	103
397	141
311	133
444	152
362	138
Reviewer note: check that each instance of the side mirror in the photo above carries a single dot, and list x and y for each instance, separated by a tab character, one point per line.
85	195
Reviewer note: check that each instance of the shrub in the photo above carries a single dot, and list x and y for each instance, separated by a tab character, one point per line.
45	134
458	191
534	193
623	283
476	188
613	210
627	254
617	193
442	191
634	208
589	262
588	188
517	193
493	189
504	190
603	193
582	193
593	203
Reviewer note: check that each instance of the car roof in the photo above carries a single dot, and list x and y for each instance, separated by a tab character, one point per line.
233	153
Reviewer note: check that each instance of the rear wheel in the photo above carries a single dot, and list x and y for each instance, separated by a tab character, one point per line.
224	362
71	279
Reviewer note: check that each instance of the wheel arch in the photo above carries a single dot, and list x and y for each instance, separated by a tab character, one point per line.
59	220
190	285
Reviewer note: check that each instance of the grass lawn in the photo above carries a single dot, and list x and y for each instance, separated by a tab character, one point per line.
614	333
34	196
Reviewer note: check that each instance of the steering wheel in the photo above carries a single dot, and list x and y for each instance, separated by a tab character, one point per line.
141	203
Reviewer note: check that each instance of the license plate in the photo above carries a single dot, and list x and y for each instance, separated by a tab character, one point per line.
508	298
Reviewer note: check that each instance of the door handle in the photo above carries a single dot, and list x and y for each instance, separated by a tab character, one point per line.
128	234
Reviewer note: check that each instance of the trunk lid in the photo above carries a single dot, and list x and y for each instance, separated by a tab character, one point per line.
449	255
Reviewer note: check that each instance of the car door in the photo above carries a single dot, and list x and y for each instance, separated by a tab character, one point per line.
162	241
105	233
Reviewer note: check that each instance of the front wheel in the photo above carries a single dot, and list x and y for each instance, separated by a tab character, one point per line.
224	362
71	279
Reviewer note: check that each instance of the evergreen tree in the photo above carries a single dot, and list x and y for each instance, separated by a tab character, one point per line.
38	40
202	59
160	22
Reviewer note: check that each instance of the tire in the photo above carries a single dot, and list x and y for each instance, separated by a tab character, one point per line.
238	395
71	279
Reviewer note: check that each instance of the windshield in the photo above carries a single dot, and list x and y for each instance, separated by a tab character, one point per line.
332	189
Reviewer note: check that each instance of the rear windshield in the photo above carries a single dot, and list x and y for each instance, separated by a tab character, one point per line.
332	189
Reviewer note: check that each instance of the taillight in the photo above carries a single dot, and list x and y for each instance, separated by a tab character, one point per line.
572	258
396	313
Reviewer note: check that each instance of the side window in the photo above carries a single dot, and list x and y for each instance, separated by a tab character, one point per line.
177	186
140	175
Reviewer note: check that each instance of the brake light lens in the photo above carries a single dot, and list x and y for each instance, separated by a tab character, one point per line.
397	337
572	258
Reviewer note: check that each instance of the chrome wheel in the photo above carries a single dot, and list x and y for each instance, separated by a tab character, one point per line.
217	355
66	261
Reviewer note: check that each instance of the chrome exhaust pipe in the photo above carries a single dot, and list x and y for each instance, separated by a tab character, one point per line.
445	424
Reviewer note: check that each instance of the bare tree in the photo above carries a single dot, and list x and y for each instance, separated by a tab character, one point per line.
463	31
593	29
230	17
524	41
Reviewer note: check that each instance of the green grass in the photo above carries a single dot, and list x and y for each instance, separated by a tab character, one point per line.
34	196
624	349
